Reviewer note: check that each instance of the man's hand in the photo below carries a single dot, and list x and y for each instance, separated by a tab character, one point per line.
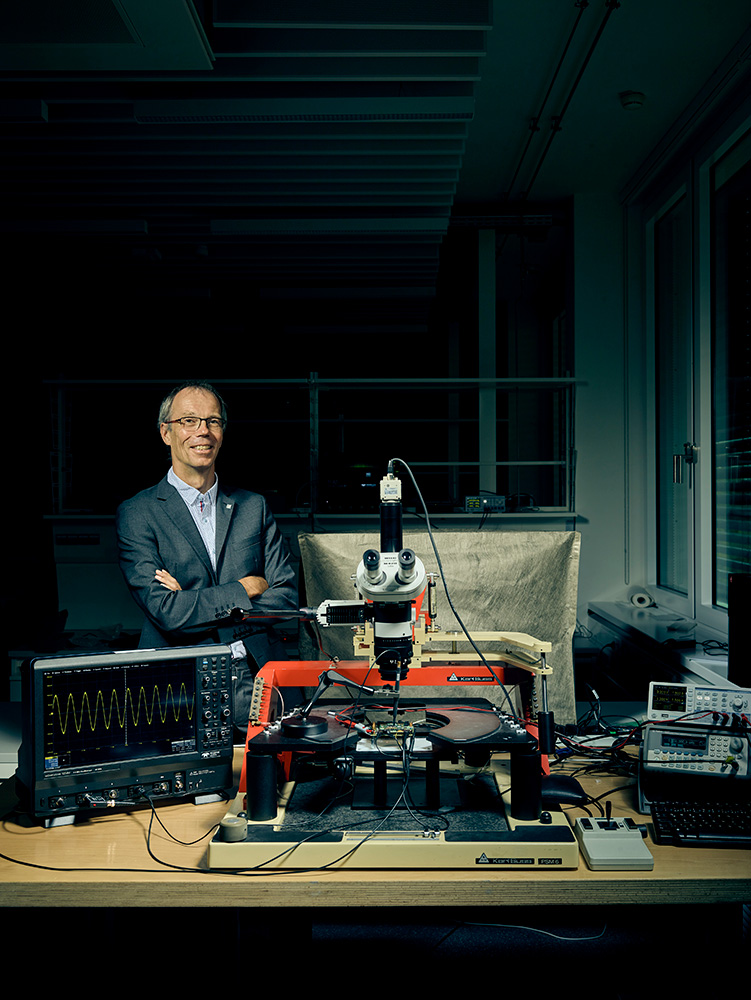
254	586
167	580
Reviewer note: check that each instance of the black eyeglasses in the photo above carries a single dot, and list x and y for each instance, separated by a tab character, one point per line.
193	423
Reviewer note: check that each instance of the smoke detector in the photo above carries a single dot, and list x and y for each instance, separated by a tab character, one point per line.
632	100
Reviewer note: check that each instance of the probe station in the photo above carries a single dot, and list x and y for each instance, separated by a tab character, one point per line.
408	770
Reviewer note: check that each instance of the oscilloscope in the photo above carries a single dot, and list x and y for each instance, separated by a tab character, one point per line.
109	730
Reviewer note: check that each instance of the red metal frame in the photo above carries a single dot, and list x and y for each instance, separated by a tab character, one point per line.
305	673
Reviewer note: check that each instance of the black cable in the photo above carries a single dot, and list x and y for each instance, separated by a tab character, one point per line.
443	577
183	843
713	647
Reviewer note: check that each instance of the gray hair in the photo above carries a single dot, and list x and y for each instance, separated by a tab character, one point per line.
165	410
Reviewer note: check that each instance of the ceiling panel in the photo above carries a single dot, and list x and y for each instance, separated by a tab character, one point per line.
270	146
324	143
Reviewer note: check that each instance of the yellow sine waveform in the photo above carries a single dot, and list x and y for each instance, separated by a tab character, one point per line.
178	704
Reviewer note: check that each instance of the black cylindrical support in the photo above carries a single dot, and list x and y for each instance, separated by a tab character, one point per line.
546	732
260	774
432	784
526	783
380	783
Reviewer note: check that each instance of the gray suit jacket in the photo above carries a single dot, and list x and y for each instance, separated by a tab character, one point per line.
156	531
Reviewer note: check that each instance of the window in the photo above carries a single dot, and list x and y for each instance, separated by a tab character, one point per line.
672	402
730	198
321	445
697	256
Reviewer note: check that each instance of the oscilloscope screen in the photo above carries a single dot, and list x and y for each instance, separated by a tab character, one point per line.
102	715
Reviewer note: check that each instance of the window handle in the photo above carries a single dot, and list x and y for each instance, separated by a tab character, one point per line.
689	455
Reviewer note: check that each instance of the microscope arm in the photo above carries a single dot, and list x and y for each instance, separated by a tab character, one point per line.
325	680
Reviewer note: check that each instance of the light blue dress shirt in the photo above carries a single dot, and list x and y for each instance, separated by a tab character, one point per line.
202	507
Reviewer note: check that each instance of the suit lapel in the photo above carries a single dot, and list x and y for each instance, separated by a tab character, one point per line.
225	507
174	507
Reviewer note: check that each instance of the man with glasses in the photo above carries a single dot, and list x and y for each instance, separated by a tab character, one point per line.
192	551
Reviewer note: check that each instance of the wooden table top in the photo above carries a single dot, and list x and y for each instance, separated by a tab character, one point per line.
105	861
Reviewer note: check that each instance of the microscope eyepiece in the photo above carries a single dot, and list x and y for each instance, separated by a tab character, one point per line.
371	561
407	566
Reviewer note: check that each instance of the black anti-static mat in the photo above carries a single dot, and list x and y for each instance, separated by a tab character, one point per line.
326	804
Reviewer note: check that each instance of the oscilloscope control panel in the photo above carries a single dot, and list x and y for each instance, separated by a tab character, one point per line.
123	729
215	696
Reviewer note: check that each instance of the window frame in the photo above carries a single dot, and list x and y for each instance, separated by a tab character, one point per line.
694	180
706	611
657	209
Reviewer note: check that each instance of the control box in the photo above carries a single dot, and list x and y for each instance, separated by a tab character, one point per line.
613	844
697	743
680	749
701	705
488	503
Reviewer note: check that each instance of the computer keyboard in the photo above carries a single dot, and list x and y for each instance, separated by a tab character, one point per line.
713	823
